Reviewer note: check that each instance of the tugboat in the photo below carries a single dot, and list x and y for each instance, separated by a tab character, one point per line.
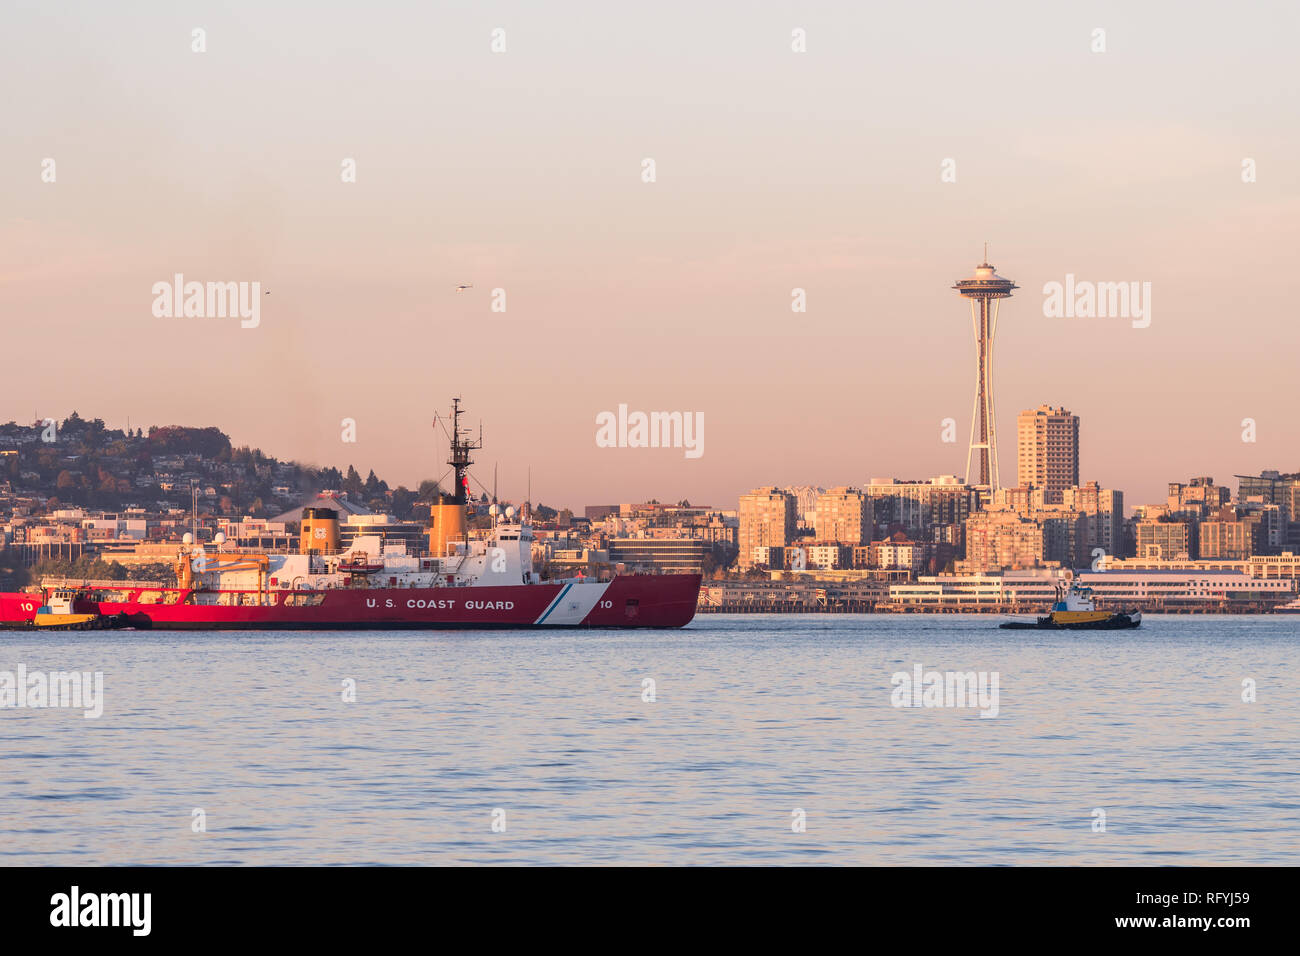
1075	610
60	613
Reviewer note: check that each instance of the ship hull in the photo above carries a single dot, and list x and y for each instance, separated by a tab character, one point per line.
627	601
1112	622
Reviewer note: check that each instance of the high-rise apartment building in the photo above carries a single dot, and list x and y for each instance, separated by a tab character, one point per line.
1047	450
805	504
767	519
1105	508
917	505
843	517
1230	536
1002	540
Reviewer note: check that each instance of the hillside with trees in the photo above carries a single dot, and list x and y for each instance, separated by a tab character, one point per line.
83	463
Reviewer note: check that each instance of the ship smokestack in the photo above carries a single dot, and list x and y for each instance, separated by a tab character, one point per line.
320	530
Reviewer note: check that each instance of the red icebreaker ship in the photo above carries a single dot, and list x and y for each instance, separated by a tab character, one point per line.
484	582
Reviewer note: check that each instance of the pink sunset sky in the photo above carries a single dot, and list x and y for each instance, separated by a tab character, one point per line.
775	170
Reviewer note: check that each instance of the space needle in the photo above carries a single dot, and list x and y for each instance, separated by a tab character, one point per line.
984	289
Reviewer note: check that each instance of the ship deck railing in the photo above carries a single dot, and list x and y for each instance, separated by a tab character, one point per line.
101	584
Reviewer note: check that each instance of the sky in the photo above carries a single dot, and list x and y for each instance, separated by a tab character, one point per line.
522	170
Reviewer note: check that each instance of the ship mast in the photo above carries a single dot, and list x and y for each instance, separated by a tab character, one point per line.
460	449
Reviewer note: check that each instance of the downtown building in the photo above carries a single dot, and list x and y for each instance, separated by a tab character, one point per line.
1165	540
932	510
1000	539
897	553
843	516
1047	450
1105	510
767	520
1198	498
1197	521
841	522
1229	536
1277	489
805	504
805	554
1081	522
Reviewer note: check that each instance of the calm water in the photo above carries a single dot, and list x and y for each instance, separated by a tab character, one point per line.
755	716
